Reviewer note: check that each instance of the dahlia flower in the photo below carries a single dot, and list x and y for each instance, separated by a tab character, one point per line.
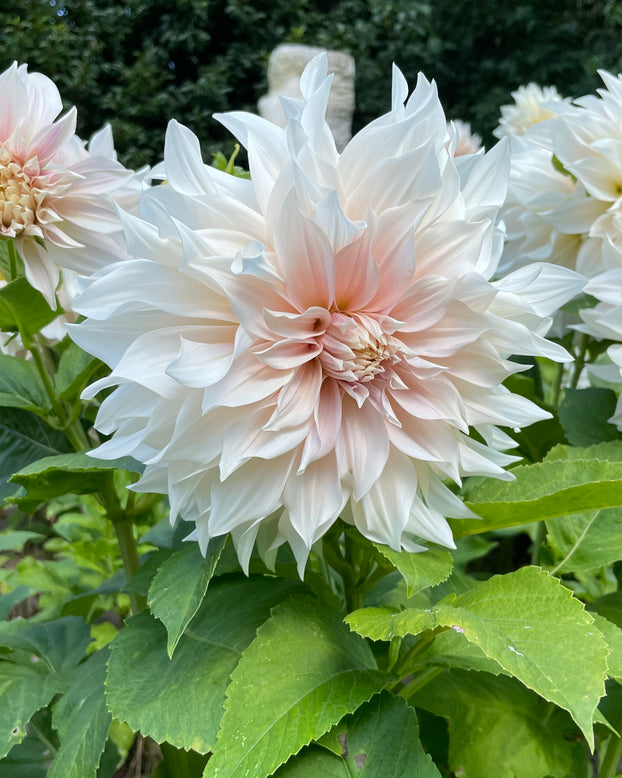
464	141
53	191
532	104
565	194
320	340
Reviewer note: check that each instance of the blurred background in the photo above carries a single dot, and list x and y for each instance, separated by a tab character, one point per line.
138	63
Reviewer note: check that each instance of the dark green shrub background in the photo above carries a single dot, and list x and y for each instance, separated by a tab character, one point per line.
139	62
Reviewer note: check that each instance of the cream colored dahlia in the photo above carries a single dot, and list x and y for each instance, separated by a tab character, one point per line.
565	194
321	340
532	104
55	192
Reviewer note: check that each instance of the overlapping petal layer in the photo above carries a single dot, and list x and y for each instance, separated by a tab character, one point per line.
322	339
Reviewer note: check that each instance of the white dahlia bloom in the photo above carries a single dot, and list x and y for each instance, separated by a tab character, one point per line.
54	192
565	194
319	340
532	104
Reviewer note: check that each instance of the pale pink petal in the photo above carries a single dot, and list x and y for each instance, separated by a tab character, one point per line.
47	141
12	90
185	170
384	510
254	491
314	499
247	381
305	258
40	269
363	462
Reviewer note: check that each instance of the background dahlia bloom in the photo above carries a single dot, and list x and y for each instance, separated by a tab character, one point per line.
319	340
464	140
565	196
54	192
532	104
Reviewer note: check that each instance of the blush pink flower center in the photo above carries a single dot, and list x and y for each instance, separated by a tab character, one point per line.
19	196
355	348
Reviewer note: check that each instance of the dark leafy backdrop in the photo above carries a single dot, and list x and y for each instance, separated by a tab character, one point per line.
139	62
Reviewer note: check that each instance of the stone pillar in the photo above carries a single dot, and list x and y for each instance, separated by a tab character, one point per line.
285	67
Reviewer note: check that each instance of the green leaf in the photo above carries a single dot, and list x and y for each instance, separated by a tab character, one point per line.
25	438
451	649
609	450
36	669
535	629
15	540
300	675
23	691
61	644
386	623
10	600
499	729
82	721
380	739
584	414
74	371
530	625
613	638
75	473
314	762
32	757
180	700
609	606
178	763
21	386
555	487
23	308
584	542
179	586
422	570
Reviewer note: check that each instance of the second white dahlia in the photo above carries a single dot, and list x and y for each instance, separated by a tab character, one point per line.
319	341
532	104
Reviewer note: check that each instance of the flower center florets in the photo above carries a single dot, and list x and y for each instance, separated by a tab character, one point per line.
356	348
19	196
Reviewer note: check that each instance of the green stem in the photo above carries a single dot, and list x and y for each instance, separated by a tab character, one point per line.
579	362
419	681
352	575
557	386
418	647
72	428
124	530
611	760
12	260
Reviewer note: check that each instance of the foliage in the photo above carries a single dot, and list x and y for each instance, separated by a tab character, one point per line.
429	663
124	650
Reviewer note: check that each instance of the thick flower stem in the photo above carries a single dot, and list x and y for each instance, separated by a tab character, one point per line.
557	387
12	261
613	754
124	530
579	362
423	641
419	681
73	430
